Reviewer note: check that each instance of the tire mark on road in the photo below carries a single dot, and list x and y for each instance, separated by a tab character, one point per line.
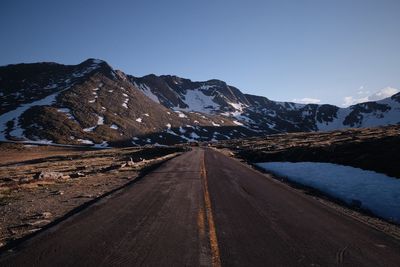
340	255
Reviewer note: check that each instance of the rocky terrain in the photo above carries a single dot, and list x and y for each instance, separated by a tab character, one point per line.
92	104
40	185
373	149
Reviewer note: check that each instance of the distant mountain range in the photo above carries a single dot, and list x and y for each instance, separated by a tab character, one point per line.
93	104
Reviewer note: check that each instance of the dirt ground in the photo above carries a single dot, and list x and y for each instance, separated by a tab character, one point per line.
11	152
40	184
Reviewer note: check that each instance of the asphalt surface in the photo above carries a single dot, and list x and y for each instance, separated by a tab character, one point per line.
205	209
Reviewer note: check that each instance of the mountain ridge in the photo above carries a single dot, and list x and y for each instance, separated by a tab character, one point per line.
92	103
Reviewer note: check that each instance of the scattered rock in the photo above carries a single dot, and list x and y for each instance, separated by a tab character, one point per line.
13	231
85	196
77	175
57	193
34	230
46	195
25	180
39	222
130	163
123	165
46	215
43	215
48	175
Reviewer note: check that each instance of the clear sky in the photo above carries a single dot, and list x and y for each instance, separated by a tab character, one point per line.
284	50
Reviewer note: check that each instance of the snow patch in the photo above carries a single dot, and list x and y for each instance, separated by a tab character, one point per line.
81	73
367	189
147	91
67	112
181	114
51	86
125	104
15	114
193	135
104	144
238	106
181	130
89	129
196	100
97	61
85	141
100	121
114	126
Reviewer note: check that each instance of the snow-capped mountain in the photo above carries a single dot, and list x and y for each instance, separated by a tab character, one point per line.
260	113
91	103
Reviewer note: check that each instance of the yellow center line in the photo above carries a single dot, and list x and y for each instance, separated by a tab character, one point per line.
215	256
201	223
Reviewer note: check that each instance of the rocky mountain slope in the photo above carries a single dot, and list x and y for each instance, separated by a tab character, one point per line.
93	104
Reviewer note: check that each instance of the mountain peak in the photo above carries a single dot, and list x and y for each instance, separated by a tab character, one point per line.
93	61
91	103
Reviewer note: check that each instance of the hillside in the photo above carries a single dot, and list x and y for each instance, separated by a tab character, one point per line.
93	104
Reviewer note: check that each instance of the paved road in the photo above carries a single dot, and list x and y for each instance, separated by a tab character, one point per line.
205	209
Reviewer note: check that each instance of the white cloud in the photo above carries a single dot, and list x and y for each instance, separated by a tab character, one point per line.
361	91
307	100
351	100
381	94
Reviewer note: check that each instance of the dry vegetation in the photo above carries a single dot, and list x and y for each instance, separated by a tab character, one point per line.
40	184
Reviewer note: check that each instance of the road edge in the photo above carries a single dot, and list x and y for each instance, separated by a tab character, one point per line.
372	221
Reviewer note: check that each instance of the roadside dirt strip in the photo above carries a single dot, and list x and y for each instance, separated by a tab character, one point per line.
205	209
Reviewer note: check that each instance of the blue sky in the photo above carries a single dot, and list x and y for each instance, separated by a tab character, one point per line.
284	50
